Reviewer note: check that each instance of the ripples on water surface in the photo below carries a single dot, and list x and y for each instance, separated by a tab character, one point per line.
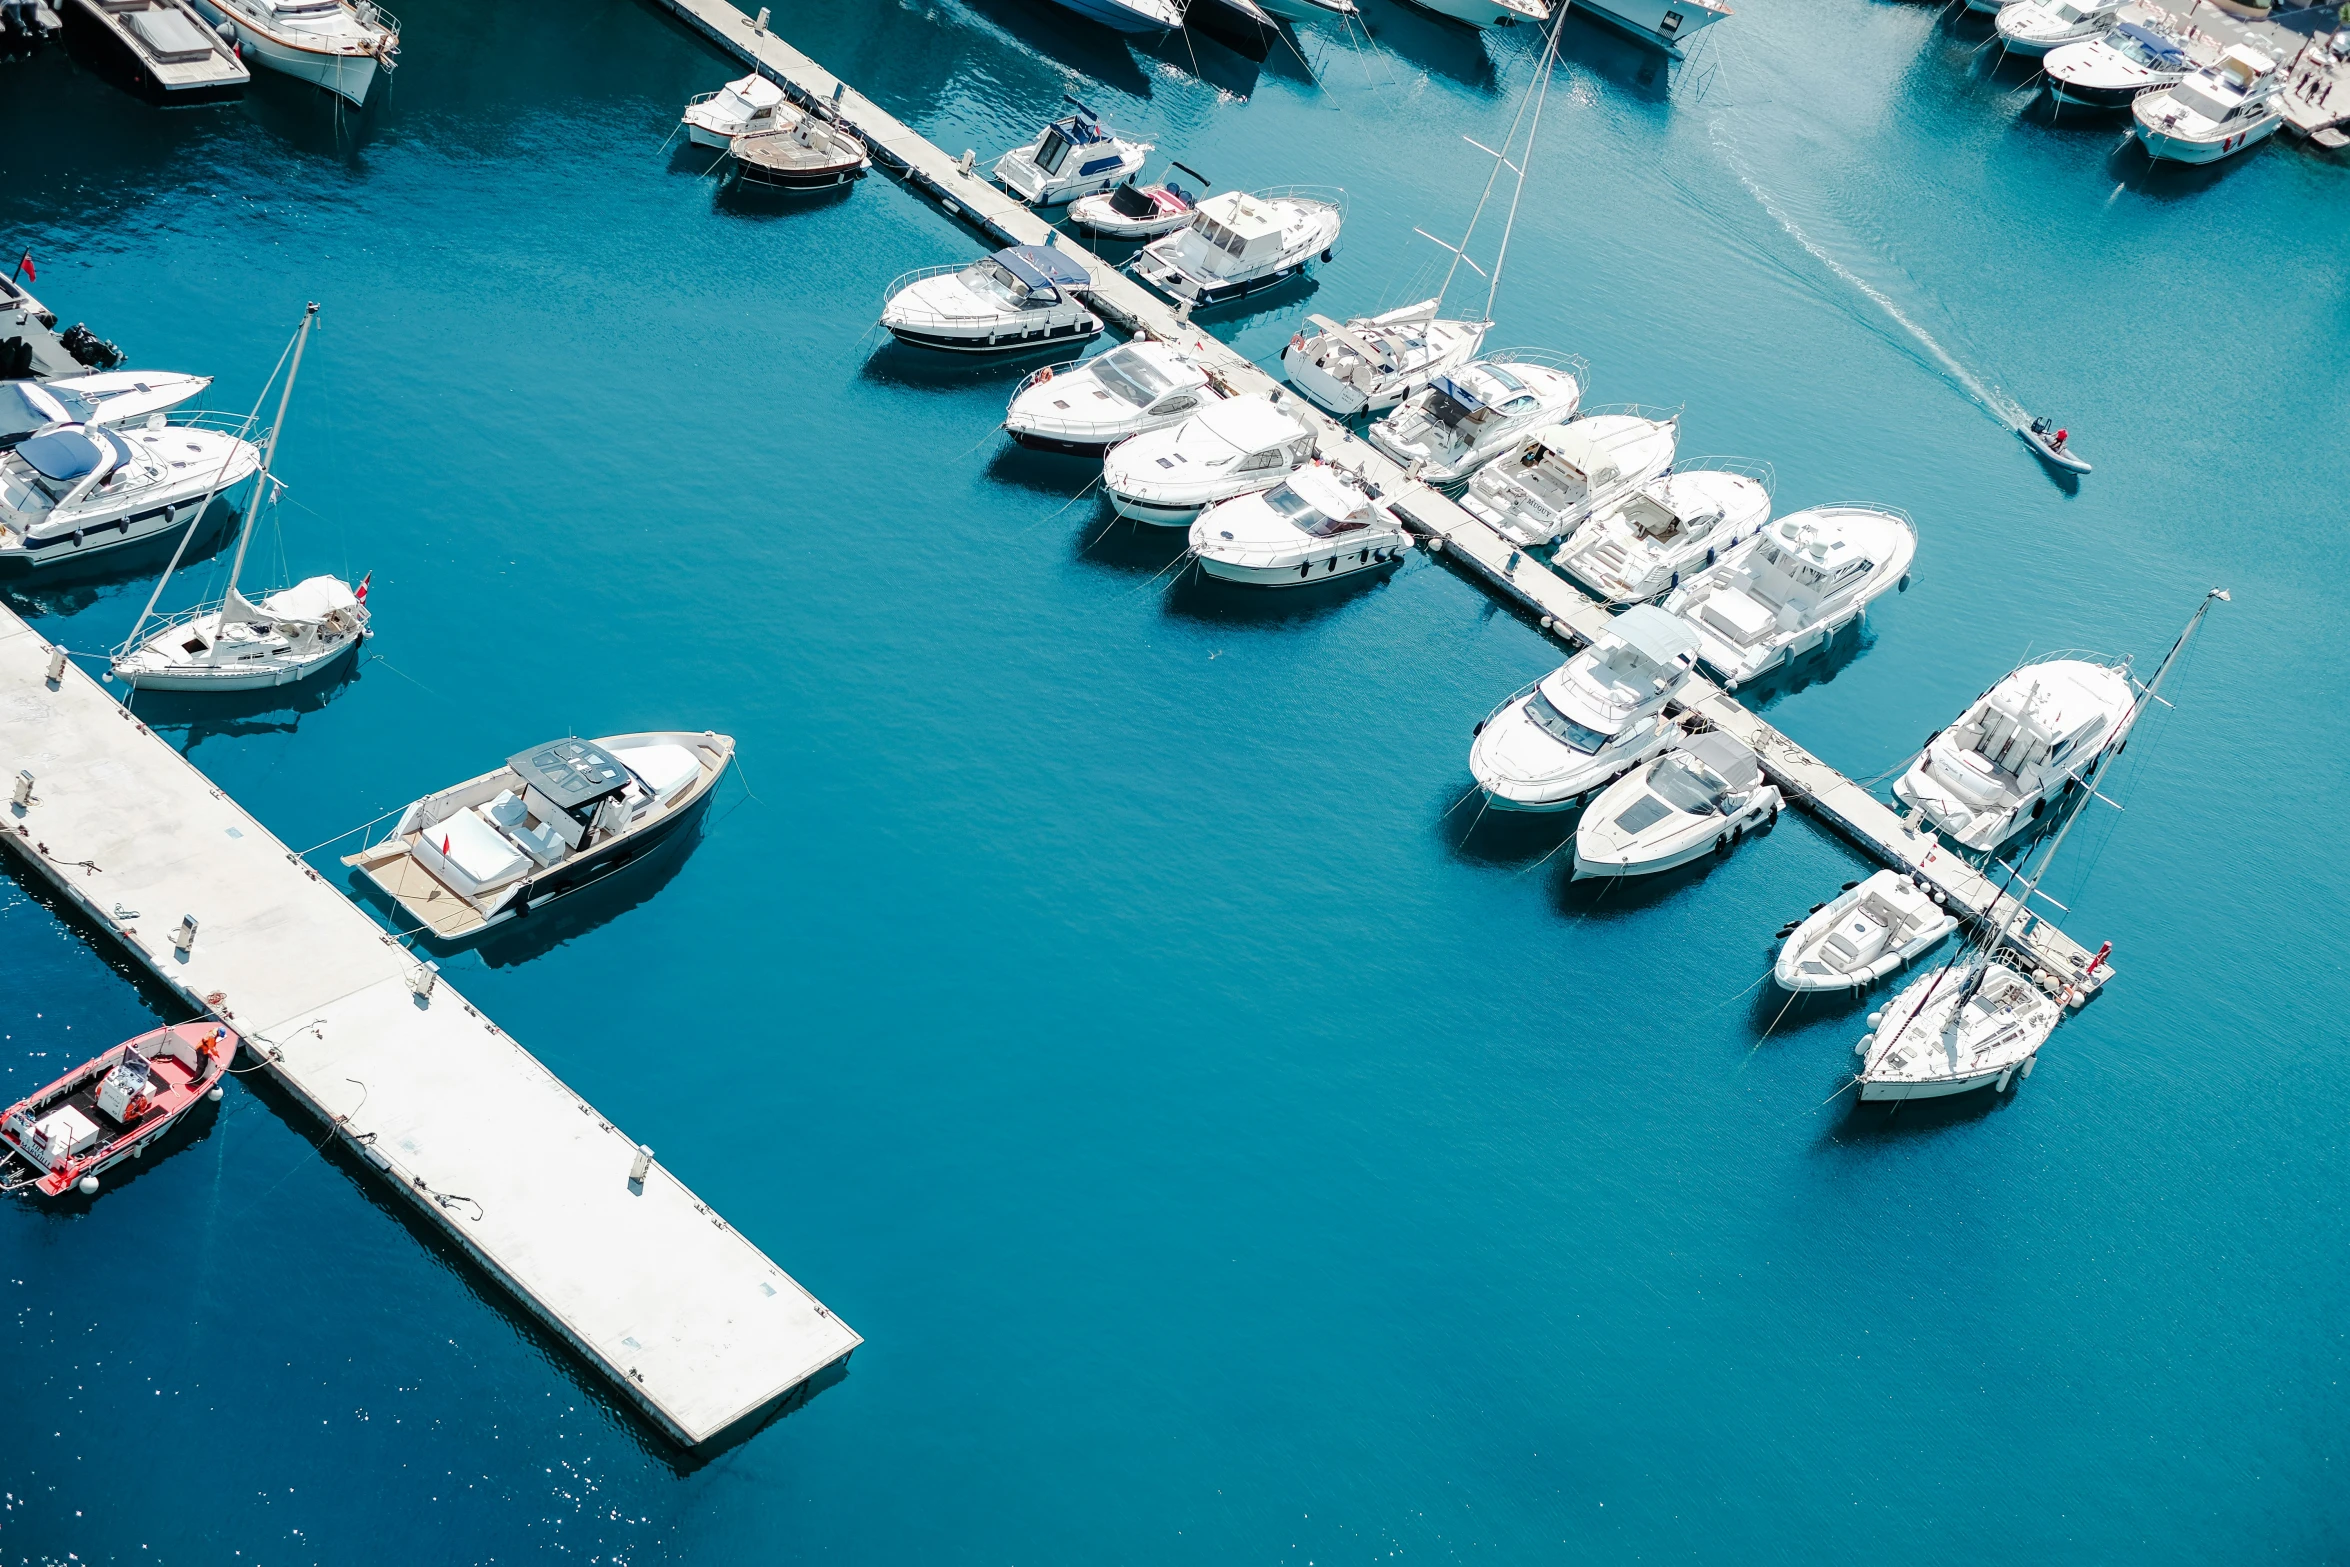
1229	1154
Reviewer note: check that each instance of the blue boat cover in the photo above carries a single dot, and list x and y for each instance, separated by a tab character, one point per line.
2164	49
1039	267
1081	130
1459	393
62	454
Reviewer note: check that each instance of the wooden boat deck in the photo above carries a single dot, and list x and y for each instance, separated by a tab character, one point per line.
212	74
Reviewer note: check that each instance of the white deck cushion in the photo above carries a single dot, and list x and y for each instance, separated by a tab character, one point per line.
477	856
667	770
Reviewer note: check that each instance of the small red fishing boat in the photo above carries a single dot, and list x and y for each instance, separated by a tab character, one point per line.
110	1109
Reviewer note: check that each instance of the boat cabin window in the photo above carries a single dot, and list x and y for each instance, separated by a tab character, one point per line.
2066	11
1269	458
1176	405
1687	785
1052	149
1305	515
1130	377
990	278
2193	98
1557	725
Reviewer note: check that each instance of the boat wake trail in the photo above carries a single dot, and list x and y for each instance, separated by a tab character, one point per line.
1992	400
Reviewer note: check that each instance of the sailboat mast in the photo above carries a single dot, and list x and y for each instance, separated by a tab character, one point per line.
1460	251
234	603
1525	159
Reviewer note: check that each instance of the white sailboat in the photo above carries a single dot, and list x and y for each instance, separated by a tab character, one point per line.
236	644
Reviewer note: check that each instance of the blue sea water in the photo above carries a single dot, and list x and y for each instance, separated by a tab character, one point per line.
1231	1147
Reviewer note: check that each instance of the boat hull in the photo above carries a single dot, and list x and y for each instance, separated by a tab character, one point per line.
1665	24
1109	13
228	679
1878	1092
955	343
348	76
2084	95
1476	13
1304	573
108	538
199	1052
2170	147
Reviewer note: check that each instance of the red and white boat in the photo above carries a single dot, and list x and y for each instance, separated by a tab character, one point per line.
110	1109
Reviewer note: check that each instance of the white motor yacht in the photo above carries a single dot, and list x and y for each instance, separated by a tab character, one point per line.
739	108
1793	586
78	490
1239	242
234	644
1022	297
2107	72
2215	113
108	397
2017	747
1640	545
1562	473
1862	934
554	819
1070	158
1230	447
341	45
1131	211
1371	363
1664	23
1488	13
2033	27
1549	747
1320	522
1087	406
1465	418
1699	799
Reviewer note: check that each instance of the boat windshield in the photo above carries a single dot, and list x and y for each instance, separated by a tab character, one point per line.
2193	99
1305	515
1557	725
2067	12
1130	377
988	278
1685	785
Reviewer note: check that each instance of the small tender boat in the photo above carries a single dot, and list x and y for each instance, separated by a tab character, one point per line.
1024	297
2033	27
111	1108
1794	585
1371	363
552	820
2053	445
1862	934
1087	406
1488	13
2109	71
108	397
804	151
77	490
1130	16
341	45
1139	212
1662	23
1697	800
1639	546
1230	447
1311	10
1238	243
1242	26
1563	473
2215	113
1070	158
2017	747
740	108
1552	745
1320	522
1465	418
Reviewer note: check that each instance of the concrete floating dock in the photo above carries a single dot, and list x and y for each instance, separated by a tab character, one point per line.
1564	609
687	1318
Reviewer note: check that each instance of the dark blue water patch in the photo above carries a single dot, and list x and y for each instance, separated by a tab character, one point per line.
1089	987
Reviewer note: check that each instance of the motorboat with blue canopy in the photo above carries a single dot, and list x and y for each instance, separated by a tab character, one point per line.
1071	157
74	490
1022	297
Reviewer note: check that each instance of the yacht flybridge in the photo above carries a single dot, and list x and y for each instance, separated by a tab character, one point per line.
739	108
2033	27
1862	934
1699	799
1238	243
235	644
1371	363
1320	522
1549	747
1071	157
2218	111
109	397
2109	71
1974	1022
79	490
2017	747
1562	473
552	820
1021	298
1465	418
341	45
1230	447
1087	406
1639	546
1794	585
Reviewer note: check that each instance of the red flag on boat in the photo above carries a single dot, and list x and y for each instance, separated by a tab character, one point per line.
24	265
361	592
444	843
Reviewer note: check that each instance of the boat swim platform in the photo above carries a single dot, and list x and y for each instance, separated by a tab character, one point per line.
684	1315
1562	609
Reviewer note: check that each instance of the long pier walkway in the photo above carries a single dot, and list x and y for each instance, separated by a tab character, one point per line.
1562	608
688	1319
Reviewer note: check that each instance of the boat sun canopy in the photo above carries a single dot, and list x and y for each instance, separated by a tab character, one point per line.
1729	758
64	455
2166	50
1654	635
1043	269
574	773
